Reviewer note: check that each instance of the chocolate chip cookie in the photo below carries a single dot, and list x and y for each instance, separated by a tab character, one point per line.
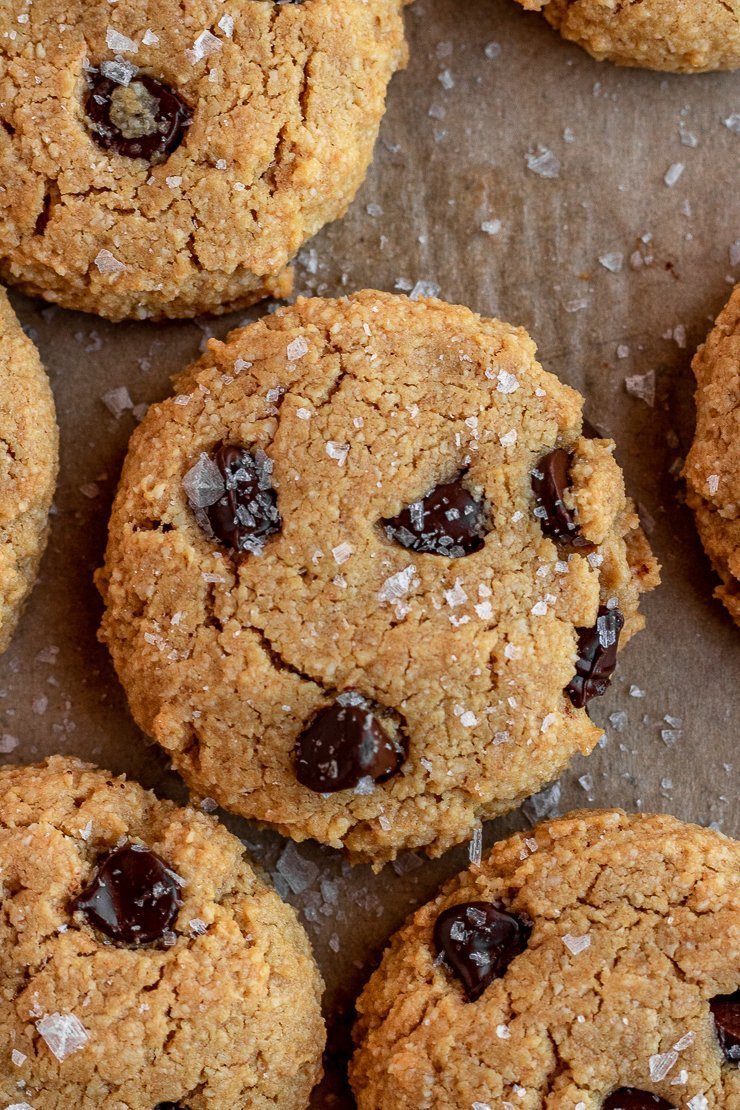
364	573
143	960
29	447
170	159
693	36
591	964
712	468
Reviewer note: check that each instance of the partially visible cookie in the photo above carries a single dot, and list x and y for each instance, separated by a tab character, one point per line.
590	964
364	573
712	468
170	158
29	447
683	36
142	959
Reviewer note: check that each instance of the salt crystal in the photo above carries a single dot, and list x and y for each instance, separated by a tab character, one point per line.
543	162
673	173
365	786
503	1032
337	451
576	304
117	401
492	50
20	1105
121	72
298	872
688	138
107	264
8	743
713	483
303	414
205	45
618	720
198	927
149	38
374	210
680	1079
297	348
623	350
173	182
484	609
18	1058
86	833
543	804
446	80
508	439
456	596
661	1064
468	719
642	386
397	585
63	1034
507	383
548	721
475	848
539	609
226	23
204	483
341	553
613	261
491	227
685	1041
733	122
120	44
670	736
636	692
586	782
424	289
577	944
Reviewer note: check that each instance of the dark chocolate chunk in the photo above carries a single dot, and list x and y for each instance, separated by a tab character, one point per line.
132	898
630	1098
343	744
597	657
447	521
726	1011
478	942
550	480
247	513
144	119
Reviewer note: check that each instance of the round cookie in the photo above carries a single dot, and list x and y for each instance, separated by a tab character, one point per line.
590	964
340	592
712	468
29	449
143	960
682	36
170	159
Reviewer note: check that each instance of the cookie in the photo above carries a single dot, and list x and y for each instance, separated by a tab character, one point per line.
703	35
364	574
143	960
712	468
591	964
29	450
170	159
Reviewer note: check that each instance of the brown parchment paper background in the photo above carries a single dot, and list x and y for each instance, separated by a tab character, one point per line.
452	155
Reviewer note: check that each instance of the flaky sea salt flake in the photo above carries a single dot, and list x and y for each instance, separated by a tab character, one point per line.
337	451
297	348
673	173
475	848
576	944
120	44
117	401
341	553
205	45
424	289
642	386
661	1064
64	1034
491	227
613	261
543	162
507	383
298	872
204	483
107	263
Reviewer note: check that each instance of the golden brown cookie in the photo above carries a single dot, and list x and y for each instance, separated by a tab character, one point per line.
143	960
364	572
683	36
169	159
590	964
712	469
29	448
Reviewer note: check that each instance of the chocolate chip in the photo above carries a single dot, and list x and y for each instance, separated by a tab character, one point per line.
132	898
630	1098
726	1011
247	513
343	744
597	657
447	521
478	942
144	119
550	480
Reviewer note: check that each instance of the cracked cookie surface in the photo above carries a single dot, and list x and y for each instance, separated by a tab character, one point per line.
682	36
712	468
29	448
347	648
170	159
223	1011
634	932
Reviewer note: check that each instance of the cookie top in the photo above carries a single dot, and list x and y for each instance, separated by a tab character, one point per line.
169	159
589	964
712	469
29	448
691	36
341	593
143	960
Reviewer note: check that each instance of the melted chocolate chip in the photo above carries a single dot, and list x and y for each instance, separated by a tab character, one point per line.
247	513
630	1098
447	521
132	897
726	1011
478	942
344	744
144	119
550	480
597	657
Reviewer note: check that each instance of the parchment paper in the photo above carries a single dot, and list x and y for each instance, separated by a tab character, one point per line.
487	87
